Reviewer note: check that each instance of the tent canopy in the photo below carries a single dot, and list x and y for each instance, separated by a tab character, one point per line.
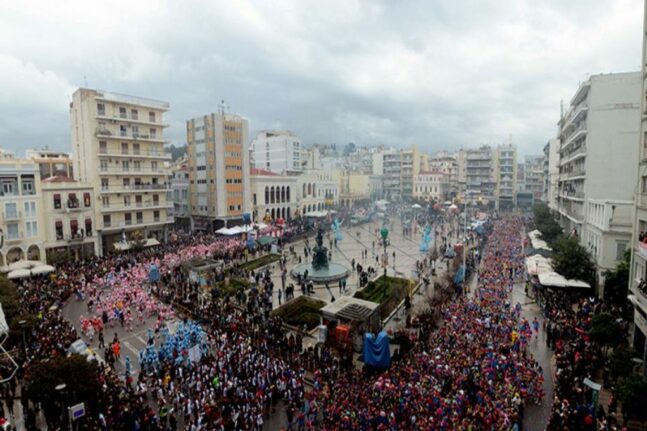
43	269
265	240
553	279
19	273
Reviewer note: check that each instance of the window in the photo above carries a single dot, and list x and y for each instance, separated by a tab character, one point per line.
88	227
125	165
72	201
156	215
126	183
103	147
154	166
101	109
128	218
74	228
123	131
137	166
156	200
59	230
31	228
106	220
140	217
27	188
136	149
103	165
134	115
8	188
30	209
105	201
151	116
86	199
11	210
124	148
104	184
153	132
122	112
126	200
138	201
621	246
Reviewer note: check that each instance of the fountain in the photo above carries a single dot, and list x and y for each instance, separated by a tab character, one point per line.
320	270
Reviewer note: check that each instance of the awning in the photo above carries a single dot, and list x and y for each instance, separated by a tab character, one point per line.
24	264
554	279
43	269
123	246
19	273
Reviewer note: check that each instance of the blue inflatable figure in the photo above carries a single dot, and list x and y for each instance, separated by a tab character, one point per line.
336	228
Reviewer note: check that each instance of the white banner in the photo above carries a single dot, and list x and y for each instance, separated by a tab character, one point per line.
4	328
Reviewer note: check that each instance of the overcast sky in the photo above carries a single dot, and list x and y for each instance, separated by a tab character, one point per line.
439	74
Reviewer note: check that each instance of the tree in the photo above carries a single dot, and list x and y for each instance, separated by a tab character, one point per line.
138	241
80	377
546	224
573	261
616	282
349	149
176	152
632	393
606	331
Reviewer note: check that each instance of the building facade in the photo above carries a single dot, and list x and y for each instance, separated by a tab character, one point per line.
277	151
480	181
22	216
505	175
180	195
638	274
447	164
551	172
597	135
52	163
118	148
431	186
219	180
534	176
70	225
274	196
317	190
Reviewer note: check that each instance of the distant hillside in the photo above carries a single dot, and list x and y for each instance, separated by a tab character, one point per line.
176	152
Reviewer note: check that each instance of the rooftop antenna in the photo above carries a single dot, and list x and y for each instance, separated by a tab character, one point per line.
222	108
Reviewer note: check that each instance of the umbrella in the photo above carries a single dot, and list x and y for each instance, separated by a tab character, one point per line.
42	269
416	206
19	273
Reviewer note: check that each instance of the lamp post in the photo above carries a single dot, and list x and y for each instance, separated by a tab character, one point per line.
22	324
61	388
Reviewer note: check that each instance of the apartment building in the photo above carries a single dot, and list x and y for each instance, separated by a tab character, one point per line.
21	215
274	196
505	175
480	181
70	223
180	194
219	180
638	275
448	165
118	148
432	185
534	176
277	151
598	135
551	172
399	168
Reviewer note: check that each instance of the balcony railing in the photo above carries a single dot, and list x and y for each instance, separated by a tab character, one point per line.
12	215
141	153
133	187
102	132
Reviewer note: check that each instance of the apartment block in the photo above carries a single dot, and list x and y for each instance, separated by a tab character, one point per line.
277	151
399	168
21	215
598	135
180	194
505	176
219	179
118	148
638	275
551	172
480	181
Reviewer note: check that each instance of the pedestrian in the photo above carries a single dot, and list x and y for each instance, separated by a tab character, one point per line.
101	340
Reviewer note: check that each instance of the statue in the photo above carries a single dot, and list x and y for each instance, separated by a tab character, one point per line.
320	253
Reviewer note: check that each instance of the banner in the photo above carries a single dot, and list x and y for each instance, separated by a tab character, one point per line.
376	350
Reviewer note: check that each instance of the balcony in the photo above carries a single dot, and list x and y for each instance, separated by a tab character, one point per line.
129	118
102	132
133	169
136	206
109	152
12	215
14	239
146	222
578	196
573	155
134	188
579	132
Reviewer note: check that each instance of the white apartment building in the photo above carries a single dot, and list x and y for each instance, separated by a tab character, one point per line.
598	135
505	175
276	151
118	148
551	172
274	196
432	185
21	215
219	182
638	275
533	177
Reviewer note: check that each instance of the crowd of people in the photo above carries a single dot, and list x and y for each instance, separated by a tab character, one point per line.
475	372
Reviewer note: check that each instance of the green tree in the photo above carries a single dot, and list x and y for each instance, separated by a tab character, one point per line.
546	224
573	261
80	377
606	331
176	152
616	282
632	393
